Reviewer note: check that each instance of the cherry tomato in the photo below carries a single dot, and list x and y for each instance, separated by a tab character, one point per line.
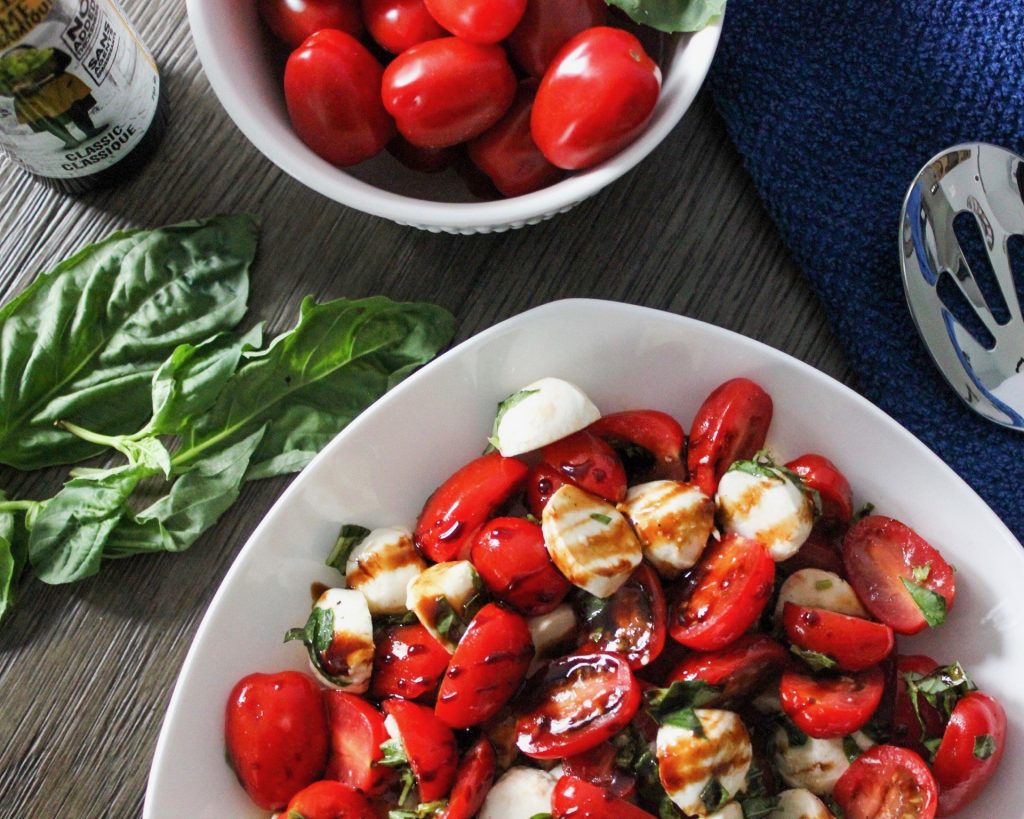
463	503
724	595
400	24
429	744
597	766
408	662
507	153
731	425
828	707
357	730
489	664
275	731
478	21
328	799
853	642
578	702
542	482
970	751
424	160
588	462
578	799
332	90
906	730
655	432
886	782
822	476
631	622
881	555
817	552
740	669
292	21
547	25
472	782
446	91
595	98
512	560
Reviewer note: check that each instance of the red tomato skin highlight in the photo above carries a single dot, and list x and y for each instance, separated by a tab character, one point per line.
884	773
399	24
853	642
408	662
877	552
960	775
464	502
430	746
275	733
823	476
292	21
595	98
586	461
739	668
472	781
542	482
657	432
579	799
829	707
547	25
356	732
597	766
328	799
332	91
478	21
488	665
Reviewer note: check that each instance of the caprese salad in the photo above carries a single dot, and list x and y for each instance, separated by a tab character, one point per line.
604	618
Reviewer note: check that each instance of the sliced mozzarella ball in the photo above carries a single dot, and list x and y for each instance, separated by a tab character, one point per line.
550	632
589	541
674	521
456	582
349	657
381	567
769	508
520	793
688	762
819	589
800	803
816	764
540	414
730	811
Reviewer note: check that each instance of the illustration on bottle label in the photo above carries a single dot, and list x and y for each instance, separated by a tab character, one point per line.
77	88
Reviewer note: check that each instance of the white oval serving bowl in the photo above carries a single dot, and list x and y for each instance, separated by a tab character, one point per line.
246	78
382	467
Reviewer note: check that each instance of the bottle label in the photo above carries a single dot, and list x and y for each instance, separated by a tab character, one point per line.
77	88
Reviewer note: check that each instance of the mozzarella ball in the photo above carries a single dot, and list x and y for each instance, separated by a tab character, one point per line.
456	581
349	657
767	507
540	414
673	520
815	764
382	566
520	793
819	589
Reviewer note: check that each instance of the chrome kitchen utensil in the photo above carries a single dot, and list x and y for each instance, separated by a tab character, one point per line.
969	317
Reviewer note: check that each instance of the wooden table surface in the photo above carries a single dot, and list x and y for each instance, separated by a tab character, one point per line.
86	670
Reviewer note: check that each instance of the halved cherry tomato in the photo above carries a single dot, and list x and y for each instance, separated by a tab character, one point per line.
906	729
478	21
588	462
332	91
547	25
880	554
463	503
275	730
724	595
408	662
446	91
821	475
578	799
292	21
827	707
472	782
595	98
507	153
511	558
817	552
597	766
631	622
578	702
542	482
488	665
653	431
357	730
886	782
328	799
740	669
970	751
400	24
429	744
731	425
853	642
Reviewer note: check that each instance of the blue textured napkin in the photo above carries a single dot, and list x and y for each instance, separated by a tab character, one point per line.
835	106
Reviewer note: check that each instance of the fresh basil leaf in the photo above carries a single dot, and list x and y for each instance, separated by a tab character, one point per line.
675	705
69	535
424	810
757	468
311	381
13	558
942	690
672	15
932	744
815	659
541	816
82	342
714	795
932	604
851	749
350	536
394	754
756	807
149	453
984	746
318	632
503	407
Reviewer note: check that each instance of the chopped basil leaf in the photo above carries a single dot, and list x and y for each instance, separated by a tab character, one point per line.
984	746
408	781
794	736
394	754
630	746
756	468
932	745
921	573
590	606
684	718
351	535
714	795
503	407
318	633
941	689
864	511
815	659
667	809
423	810
600	518
758	806
447	619
675	705
823	585
932	604
755	784
851	749
541	816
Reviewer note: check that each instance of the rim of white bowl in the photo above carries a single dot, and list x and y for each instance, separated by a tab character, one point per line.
283	148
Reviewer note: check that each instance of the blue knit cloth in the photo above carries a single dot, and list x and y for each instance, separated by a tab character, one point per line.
835	106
